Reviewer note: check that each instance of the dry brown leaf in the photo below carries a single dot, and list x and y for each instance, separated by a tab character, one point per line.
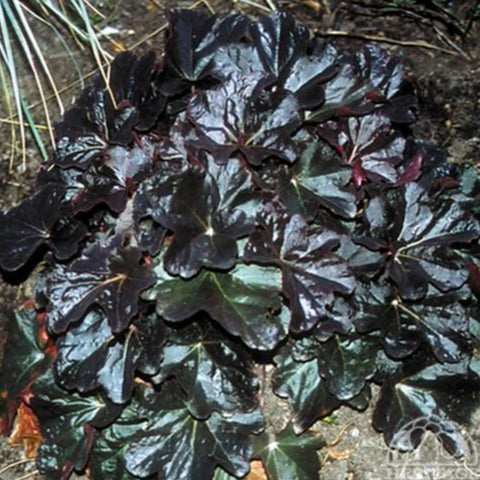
257	472
26	432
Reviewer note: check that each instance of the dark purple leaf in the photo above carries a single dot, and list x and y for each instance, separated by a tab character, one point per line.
110	279
236	59
195	36
417	235
423	247
344	95
27	226
305	76
317	179
112	179
428	400
278	40
102	116
368	145
312	273
78	141
164	439
89	356
241	116
207	209
439	320
412	171
389	84
65	238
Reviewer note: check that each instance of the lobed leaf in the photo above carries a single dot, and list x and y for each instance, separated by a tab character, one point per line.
215	373
312	273
170	443
109	279
244	301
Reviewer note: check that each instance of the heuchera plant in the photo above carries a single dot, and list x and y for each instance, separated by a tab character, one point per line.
253	198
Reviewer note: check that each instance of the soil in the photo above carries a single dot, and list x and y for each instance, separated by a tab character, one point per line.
443	63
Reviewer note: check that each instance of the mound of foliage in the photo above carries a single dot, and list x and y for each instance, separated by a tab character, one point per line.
252	200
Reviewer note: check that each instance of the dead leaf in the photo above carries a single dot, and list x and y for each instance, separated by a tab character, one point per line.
26	432
257	472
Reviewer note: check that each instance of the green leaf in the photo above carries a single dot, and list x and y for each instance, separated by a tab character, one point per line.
317	179
216	373
288	456
221	474
157	435
68	423
306	391
107	455
242	301
24	360
348	362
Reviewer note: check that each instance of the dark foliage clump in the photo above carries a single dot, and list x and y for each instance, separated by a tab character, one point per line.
251	198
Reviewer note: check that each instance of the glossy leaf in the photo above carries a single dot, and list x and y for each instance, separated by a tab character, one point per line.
278	40
307	392
242	116
368	145
306	76
317	180
348	363
27	226
110	279
249	199
89	356
207	210
216	374
102	117
287	455
67	419
390	88
312	273
244	301
426	400
173	444
111	181
194	37
107	456
344	95
420	234
438	319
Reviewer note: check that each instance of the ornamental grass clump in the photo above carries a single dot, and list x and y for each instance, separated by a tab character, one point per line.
251	200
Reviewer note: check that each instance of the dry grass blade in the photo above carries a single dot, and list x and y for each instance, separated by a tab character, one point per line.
6	54
28	475
24	37
19	39
16	464
8	102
